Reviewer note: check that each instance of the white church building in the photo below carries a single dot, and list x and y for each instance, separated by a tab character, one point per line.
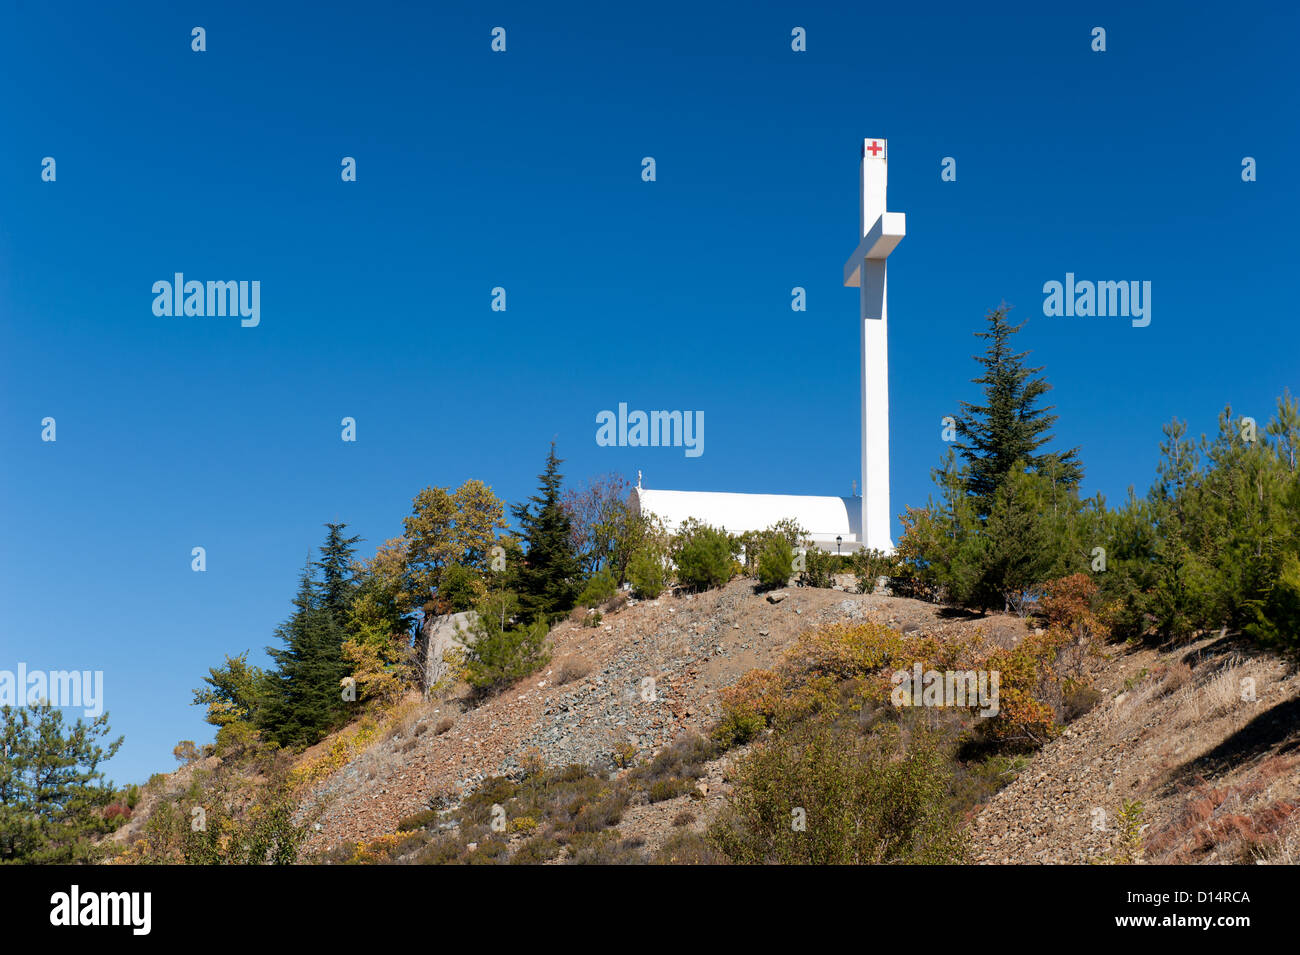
830	521
834	523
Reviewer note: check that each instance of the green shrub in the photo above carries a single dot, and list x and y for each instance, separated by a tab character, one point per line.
1276	616
444	850
236	738
420	820
703	555
754	543
600	587
818	568
737	727
491	850
535	851
604	848
776	563
684	758
648	575
976	781
687	847
665	789
493	791
605	811
500	651
624	753
1130	848
821	793
245	823
869	565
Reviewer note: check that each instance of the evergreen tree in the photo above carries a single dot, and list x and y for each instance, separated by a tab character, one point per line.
1225	517
942	543
233	693
1285	429
1009	517
499	651
1029	536
304	694
52	793
338	583
547	582
1009	427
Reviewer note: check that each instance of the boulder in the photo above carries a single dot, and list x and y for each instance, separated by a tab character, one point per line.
438	635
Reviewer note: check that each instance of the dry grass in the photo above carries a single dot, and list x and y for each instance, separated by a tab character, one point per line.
1196	698
571	668
1173	679
1246	821
400	719
1286	850
614	603
1220	692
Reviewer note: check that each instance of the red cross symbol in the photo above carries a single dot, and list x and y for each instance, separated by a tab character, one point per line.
874	148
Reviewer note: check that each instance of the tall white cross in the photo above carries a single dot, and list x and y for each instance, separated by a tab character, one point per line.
881	232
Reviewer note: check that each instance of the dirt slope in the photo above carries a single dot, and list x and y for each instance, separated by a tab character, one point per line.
689	645
1218	775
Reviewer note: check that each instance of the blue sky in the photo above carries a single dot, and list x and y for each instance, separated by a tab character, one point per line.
522	170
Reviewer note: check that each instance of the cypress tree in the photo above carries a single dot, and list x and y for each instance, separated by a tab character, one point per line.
547	582
1007	430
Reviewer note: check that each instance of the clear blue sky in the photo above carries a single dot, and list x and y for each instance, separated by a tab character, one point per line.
522	170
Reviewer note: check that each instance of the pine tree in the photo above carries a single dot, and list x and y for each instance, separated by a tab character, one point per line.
1009	428
304	698
498	653
1285	429
547	583
52	793
338	583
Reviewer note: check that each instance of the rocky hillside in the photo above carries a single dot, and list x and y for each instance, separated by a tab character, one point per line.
1188	754
1205	737
590	703
595	706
